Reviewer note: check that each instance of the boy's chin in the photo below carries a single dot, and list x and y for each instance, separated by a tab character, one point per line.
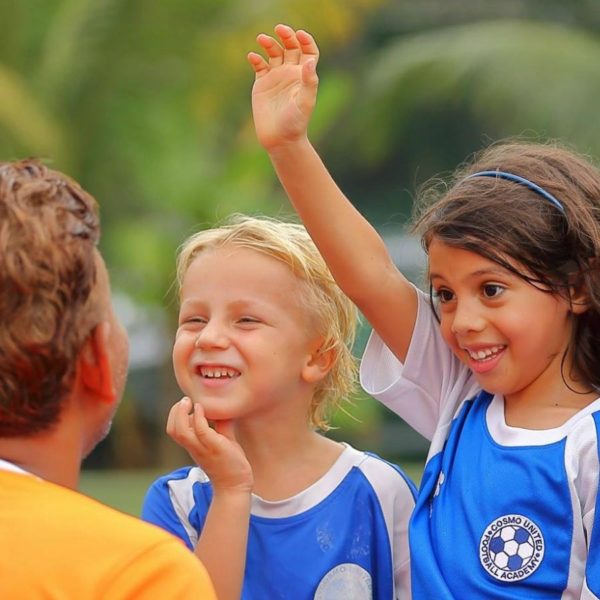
215	413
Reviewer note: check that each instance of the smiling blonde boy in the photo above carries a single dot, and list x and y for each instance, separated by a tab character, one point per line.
263	351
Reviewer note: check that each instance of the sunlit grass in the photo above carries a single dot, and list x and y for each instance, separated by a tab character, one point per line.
125	490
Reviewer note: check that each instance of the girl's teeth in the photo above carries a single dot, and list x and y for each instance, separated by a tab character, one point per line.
483	354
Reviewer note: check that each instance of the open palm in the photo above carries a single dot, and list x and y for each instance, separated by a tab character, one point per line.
285	89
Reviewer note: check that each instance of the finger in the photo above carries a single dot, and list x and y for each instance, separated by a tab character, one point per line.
192	432
199	422
308	46
292	52
258	64
272	49
173	417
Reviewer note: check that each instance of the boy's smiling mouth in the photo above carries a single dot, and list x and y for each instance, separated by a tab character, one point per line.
217	372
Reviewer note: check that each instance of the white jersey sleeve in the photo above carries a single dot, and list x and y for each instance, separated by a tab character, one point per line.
431	382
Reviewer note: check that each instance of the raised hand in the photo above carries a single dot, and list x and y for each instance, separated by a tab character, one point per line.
285	86
215	450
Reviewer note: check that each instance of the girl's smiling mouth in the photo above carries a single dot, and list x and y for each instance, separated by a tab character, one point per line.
485	353
484	359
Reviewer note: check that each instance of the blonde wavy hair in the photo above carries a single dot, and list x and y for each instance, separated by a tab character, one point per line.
335	316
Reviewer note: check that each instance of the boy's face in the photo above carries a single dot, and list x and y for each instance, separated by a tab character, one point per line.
244	343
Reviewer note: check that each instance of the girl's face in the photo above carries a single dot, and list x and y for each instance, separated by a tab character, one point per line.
511	334
244	346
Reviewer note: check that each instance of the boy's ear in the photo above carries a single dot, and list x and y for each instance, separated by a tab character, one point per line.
319	362
94	367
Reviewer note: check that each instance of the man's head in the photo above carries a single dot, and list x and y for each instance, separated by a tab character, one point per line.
54	297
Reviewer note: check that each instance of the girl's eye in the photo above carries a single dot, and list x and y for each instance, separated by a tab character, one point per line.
492	290
443	295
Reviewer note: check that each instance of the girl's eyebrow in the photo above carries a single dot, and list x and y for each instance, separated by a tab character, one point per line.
479	273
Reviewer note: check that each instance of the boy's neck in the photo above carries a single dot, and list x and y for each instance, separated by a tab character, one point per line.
284	470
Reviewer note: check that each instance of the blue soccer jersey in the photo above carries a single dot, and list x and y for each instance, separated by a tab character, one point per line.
343	537
502	512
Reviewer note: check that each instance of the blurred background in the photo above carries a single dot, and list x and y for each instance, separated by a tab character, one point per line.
147	104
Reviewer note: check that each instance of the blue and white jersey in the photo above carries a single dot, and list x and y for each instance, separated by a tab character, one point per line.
502	512
344	537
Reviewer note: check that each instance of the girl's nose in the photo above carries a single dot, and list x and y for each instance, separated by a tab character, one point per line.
467	316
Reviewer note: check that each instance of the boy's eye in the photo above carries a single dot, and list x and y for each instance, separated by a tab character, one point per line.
248	320
195	320
443	295
492	290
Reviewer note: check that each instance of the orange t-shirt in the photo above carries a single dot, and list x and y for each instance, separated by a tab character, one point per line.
59	544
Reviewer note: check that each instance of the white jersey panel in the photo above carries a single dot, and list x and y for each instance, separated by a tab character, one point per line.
422	400
396	512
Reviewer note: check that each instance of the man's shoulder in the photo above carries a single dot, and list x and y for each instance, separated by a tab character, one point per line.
114	551
72	512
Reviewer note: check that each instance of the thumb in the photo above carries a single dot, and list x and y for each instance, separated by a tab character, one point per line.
309	74
225	428
307	95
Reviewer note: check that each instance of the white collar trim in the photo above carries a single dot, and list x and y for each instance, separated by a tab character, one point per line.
8	466
506	435
312	495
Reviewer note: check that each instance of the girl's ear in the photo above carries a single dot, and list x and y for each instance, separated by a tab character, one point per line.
578	291
579	302
319	362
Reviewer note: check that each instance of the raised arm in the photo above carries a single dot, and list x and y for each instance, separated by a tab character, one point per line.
223	541
283	97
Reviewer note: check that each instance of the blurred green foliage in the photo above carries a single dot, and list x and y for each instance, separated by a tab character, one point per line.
147	104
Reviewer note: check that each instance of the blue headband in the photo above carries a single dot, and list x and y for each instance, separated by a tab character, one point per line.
522	181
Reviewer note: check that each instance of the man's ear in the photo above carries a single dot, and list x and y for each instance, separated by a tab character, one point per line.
319	362
94	364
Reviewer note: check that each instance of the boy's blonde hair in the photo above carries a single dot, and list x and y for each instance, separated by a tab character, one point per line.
333	313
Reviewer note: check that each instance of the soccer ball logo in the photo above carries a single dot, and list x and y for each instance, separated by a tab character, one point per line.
511	548
347	580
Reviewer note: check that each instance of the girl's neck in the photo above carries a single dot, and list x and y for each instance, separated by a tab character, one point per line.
548	410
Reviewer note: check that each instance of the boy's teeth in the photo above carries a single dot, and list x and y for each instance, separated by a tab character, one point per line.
217	373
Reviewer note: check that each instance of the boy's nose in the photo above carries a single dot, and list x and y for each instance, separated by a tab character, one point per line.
211	336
